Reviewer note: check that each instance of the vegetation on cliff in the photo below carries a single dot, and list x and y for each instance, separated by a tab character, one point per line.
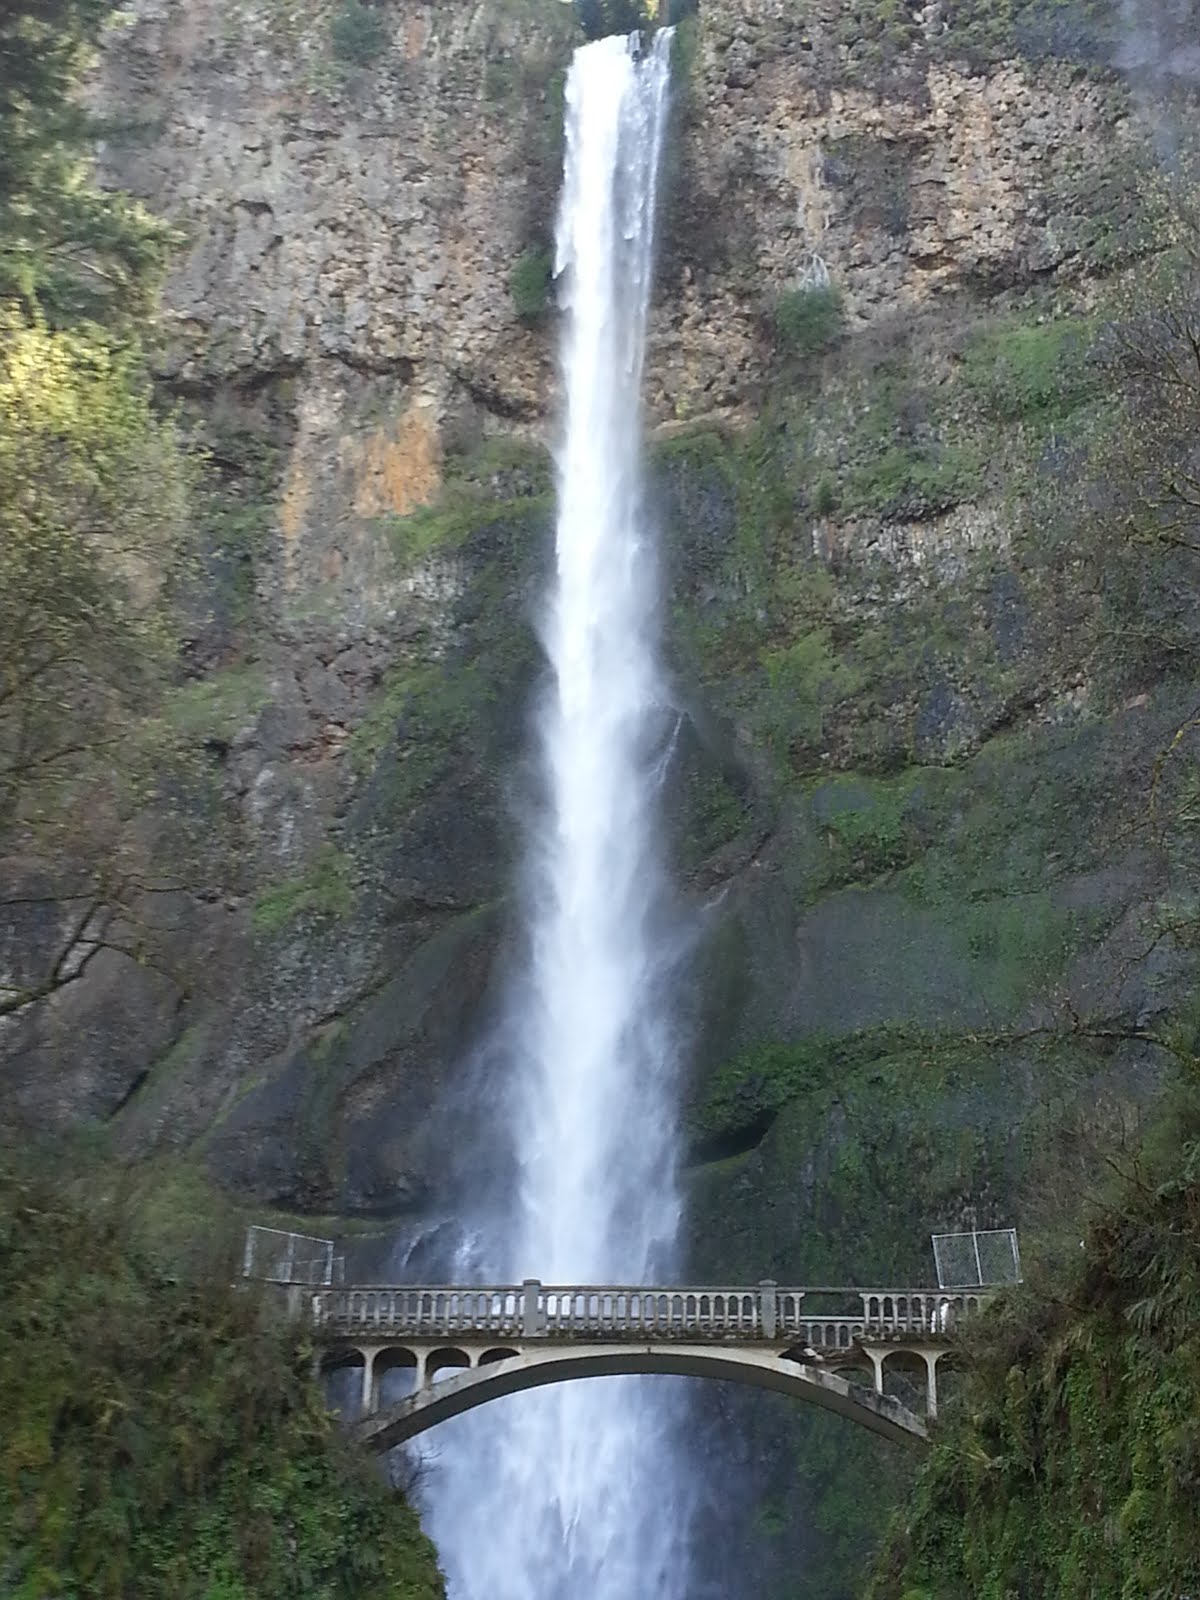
162	1434
947	585
93	493
1069	1465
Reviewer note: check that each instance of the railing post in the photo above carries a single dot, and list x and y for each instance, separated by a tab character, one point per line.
767	1307
531	1316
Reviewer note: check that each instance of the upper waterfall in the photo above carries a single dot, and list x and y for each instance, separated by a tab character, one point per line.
596	1106
575	1494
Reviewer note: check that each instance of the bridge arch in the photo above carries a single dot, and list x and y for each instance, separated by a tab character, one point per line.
451	1396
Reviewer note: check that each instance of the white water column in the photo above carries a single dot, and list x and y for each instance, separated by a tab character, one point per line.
577	1492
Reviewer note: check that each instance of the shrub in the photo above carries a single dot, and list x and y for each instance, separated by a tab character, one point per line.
916	481
599	18
529	284
808	320
1022	372
358	34
162	1437
824	497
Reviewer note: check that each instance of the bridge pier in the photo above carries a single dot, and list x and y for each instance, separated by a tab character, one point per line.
931	1396
367	1403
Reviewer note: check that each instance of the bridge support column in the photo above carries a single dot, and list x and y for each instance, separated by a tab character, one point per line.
876	1358
368	1383
770	1318
931	1394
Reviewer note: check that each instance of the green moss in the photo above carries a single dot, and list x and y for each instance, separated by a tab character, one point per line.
218	706
915	480
875	826
825	496
1032	373
804	680
718	809
747	1092
427	699
325	891
162	1435
480	489
529	284
503	468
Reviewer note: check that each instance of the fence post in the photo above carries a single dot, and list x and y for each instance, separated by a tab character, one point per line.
767	1302
531	1320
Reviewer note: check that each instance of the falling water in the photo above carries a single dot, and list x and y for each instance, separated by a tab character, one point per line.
572	1491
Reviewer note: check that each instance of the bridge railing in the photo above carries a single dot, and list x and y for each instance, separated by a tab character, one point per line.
823	1318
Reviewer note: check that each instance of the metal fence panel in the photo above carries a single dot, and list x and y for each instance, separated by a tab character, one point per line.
273	1255
977	1260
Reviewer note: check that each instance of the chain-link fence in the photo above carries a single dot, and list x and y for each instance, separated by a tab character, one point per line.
275	1256
977	1260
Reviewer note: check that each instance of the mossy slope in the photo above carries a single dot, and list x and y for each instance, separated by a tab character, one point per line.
162	1438
1070	1467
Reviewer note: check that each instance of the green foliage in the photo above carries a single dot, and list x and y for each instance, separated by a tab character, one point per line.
824	498
873	826
1040	372
529	284
808	320
94	490
325	890
599	18
1072	1462
804	680
162	1439
68	249
358	33
92	515
428	708
218	706
479	490
915	480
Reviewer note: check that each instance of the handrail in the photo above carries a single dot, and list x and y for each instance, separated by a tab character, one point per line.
533	1310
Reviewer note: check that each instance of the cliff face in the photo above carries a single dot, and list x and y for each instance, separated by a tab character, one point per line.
343	329
903	775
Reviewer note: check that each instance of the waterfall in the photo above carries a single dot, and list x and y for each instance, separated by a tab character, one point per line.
573	1491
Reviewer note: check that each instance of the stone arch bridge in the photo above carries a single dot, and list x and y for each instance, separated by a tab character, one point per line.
457	1348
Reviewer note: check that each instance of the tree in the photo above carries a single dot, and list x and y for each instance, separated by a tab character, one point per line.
67	247
599	18
93	524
